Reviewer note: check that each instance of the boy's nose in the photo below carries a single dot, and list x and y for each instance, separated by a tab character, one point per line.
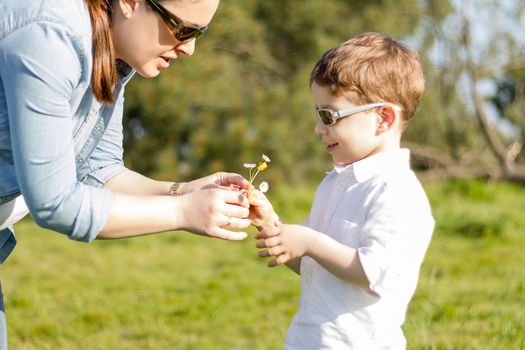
320	128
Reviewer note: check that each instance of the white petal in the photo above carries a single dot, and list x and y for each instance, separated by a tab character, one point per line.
264	186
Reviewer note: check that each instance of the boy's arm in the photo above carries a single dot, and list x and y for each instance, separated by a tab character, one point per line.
289	243
292	242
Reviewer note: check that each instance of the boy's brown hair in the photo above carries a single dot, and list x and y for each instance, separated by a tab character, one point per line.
372	67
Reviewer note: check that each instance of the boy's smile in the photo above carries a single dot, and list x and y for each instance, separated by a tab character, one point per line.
351	138
331	146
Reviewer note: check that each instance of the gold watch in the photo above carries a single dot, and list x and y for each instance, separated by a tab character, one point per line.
175	189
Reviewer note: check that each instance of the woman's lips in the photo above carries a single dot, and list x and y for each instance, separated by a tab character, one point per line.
165	61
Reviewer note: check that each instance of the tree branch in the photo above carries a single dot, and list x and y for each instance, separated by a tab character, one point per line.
498	149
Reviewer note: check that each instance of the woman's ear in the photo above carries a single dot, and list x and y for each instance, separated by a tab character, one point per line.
127	7
387	117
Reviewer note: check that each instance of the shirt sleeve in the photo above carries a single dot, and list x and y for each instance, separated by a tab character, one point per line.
395	237
41	64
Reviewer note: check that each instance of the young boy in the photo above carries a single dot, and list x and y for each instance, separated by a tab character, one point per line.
370	224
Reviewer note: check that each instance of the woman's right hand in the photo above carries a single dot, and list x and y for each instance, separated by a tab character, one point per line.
213	212
219	179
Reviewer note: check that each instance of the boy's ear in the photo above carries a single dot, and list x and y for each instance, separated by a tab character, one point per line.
387	118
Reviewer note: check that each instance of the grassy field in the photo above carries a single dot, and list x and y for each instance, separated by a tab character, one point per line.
179	291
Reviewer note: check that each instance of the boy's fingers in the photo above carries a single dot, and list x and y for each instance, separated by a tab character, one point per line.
258	199
268	243
266	234
264	253
281	259
272	263
276	251
254	197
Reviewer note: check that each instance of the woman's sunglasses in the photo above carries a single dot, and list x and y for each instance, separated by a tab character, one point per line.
330	117
181	30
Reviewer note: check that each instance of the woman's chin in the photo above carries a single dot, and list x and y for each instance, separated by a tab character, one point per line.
148	73
148	70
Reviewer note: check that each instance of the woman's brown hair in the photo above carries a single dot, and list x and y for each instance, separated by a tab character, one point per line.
104	75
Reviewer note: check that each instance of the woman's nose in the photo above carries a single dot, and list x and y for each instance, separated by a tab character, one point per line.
187	47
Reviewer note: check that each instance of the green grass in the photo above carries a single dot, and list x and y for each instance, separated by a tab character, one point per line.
179	291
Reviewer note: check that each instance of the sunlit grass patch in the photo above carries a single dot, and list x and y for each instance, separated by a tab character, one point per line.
179	291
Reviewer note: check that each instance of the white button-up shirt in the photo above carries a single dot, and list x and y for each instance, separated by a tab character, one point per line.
377	206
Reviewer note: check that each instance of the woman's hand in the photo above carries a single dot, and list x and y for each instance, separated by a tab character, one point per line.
210	211
220	179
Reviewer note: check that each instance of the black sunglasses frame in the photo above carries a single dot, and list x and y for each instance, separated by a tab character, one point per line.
181	30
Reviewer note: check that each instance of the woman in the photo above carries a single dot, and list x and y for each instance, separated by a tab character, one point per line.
63	68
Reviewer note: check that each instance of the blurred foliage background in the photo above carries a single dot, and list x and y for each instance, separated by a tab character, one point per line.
245	90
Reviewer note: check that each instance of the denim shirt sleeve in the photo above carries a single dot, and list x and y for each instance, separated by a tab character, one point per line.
41	64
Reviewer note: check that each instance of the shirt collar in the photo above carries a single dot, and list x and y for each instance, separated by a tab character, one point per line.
378	164
125	72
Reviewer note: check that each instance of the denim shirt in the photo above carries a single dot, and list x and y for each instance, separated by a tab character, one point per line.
58	145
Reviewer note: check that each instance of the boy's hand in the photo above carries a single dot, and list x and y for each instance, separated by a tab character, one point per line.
262	214
286	242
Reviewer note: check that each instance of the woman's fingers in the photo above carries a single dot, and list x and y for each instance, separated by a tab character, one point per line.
211	213
237	223
228	235
235	197
232	210
229	179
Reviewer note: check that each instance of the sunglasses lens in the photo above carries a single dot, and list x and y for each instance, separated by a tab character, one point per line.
187	33
325	116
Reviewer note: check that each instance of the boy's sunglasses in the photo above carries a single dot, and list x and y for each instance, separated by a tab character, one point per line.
181	30
330	117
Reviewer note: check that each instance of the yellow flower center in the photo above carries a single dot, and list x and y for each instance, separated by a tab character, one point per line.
262	166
